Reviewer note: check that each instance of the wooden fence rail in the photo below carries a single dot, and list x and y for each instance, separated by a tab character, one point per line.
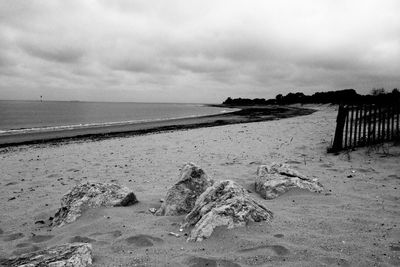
366	124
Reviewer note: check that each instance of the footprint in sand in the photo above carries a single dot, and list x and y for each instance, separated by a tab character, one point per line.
277	249
143	240
11	183
12	237
368	170
293	162
394	176
108	235
201	262
333	169
335	261
40	238
81	239
326	165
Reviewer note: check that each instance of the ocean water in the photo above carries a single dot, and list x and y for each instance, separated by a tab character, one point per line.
23	116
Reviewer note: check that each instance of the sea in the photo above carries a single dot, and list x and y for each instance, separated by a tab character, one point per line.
25	116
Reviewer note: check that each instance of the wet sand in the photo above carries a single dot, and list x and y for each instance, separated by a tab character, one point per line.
354	223
244	115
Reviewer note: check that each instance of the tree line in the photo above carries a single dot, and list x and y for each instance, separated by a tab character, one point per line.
345	96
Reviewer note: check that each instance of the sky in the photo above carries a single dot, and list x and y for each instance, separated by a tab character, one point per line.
195	51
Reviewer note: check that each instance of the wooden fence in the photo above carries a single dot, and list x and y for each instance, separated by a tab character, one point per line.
366	124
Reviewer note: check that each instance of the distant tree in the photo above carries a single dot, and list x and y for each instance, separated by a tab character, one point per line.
345	96
228	101
377	91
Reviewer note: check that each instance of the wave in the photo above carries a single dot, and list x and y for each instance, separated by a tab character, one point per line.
95	125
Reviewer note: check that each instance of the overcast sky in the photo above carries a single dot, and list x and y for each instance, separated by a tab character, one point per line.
195	51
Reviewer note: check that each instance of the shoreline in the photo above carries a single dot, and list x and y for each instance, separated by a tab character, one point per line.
244	115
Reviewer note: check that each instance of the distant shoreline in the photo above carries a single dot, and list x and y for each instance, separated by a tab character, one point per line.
244	115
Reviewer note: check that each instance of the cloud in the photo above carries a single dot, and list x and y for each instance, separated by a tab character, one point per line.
195	51
57	52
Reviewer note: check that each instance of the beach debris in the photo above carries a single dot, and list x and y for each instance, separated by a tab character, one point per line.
174	234
91	195
278	178
224	203
75	254
180	198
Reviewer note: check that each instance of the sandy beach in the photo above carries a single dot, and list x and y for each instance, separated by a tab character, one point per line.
354	222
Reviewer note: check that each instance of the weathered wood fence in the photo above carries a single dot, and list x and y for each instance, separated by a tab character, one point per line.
366	124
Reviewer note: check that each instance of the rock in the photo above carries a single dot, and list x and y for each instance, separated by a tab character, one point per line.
153	210
181	197
91	195
276	179
224	203
68	255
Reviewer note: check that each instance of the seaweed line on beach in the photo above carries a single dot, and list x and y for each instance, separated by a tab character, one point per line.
244	115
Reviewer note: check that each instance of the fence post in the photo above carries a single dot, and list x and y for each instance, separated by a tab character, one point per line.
340	121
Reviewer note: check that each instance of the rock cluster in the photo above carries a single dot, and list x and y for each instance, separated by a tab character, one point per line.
224	203
91	195
276	179
68	255
181	197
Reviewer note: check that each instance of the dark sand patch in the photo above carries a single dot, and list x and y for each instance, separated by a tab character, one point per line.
201	262
366	170
335	261
293	162
326	165
24	250
395	176
279	235
12	237
40	238
142	240
333	169
1	231
277	249
23	245
81	239
11	183
394	247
